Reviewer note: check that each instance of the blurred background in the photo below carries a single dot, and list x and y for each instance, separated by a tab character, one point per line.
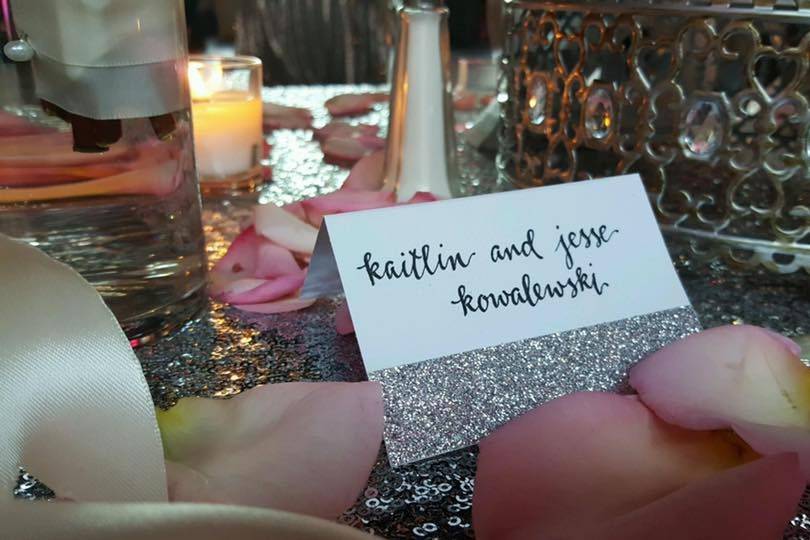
328	41
304	42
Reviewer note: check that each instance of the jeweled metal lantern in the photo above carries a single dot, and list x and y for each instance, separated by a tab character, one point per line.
706	99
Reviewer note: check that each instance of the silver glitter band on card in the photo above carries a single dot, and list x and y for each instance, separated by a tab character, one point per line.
452	402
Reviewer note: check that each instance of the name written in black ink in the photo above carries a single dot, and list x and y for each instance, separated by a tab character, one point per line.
530	292
413	264
583	238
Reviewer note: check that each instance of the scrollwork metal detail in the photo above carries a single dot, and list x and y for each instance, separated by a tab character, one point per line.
707	100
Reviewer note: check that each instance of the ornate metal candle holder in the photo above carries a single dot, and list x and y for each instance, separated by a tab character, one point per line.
707	100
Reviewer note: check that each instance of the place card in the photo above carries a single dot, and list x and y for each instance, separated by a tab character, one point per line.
472	311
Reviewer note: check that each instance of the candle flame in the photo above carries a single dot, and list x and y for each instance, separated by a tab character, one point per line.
204	79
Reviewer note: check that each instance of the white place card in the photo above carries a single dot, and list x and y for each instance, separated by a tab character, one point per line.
469	287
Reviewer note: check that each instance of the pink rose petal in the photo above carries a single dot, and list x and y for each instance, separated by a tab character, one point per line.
343	319
254	256
791	345
50	172
465	101
157	180
34	161
372	142
738	377
469	101
296	209
241	285
12	125
354	104
257	291
275	261
284	228
771	440
422	197
345	152
25	146
240	260
367	174
282	117
47	176
341	201
344	130
749	502
55	150
300	447
262	271
534	472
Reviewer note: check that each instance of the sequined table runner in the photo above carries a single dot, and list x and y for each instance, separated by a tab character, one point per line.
228	350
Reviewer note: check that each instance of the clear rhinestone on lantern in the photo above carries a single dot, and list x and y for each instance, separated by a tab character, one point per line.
599	113
703	128
538	93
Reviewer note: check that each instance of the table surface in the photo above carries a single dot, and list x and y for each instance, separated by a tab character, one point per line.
228	350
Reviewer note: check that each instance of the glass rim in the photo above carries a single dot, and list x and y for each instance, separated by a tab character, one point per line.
227	62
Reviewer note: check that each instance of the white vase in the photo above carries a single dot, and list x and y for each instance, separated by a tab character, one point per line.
421	151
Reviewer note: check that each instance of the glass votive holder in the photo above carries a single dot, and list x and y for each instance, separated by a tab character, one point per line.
226	109
477	75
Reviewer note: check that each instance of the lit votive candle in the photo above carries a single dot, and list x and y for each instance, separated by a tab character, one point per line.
226	112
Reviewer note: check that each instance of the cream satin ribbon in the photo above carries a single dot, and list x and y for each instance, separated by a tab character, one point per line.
75	409
76	412
147	521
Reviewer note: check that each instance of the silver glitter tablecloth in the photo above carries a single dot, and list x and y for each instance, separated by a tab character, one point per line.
228	350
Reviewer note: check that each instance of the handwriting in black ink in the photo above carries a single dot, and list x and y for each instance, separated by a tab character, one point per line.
530	293
415	263
526	249
583	238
